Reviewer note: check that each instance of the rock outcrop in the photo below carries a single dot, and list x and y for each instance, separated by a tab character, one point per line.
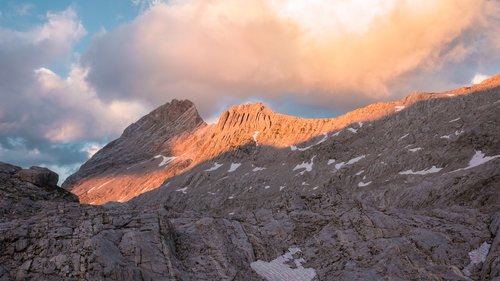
20	186
395	191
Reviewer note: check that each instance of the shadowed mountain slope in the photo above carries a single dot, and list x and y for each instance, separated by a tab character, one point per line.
173	138
407	190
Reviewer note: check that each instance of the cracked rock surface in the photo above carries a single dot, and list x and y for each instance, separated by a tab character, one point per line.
413	195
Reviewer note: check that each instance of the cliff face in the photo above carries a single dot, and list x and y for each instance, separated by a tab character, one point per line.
135	162
403	191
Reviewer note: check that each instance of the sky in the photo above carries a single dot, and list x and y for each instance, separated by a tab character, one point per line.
74	74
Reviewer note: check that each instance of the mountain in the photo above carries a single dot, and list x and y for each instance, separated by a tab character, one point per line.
404	190
173	139
132	163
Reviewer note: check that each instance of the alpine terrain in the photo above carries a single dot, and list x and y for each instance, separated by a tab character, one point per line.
404	190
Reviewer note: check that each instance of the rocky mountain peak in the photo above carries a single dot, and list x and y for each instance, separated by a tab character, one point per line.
249	116
150	136
180	112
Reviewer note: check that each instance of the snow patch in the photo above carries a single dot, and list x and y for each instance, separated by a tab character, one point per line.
361	184
399	107
354	160
316	187
454	120
339	165
183	190
233	167
457	133
280	270
214	167
350	162
478	158
415	149
330	161
404	136
256	169
352	130
281	188
477	256
165	160
430	170
337	133
255	134
267	187
360	172
305	165
294	148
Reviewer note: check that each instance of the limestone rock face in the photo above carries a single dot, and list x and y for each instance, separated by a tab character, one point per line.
406	190
130	164
173	139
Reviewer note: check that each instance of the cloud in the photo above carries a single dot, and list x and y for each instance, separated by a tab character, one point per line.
46	119
478	78
308	58
342	53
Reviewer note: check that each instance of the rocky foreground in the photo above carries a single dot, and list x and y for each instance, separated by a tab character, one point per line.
408	190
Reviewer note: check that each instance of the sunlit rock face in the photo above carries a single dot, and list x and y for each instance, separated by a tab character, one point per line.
405	190
135	162
173	139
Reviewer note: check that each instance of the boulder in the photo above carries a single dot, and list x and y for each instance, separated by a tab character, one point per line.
38	176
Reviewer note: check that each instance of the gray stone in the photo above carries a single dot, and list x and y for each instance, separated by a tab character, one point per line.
385	216
39	176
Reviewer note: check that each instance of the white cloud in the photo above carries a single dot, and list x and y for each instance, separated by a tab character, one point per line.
45	118
478	78
86	117
92	148
317	51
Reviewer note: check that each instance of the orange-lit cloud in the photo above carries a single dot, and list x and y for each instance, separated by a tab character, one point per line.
338	52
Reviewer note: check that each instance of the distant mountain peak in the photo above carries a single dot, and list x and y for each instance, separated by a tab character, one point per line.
150	136
180	112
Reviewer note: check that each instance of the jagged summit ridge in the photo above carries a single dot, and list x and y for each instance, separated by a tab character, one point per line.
176	112
253	116
173	138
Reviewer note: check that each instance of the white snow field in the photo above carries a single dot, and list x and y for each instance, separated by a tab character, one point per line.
280	269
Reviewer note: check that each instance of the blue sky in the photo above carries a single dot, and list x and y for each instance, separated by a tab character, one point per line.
74	74
96	15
